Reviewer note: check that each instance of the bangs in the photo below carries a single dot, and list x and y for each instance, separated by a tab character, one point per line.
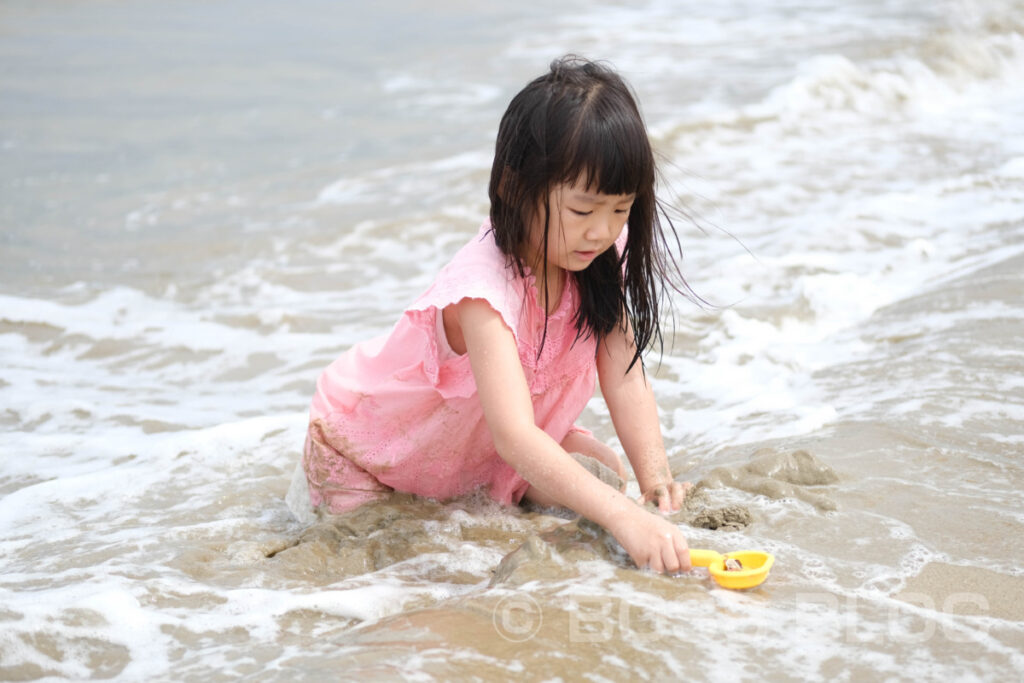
607	150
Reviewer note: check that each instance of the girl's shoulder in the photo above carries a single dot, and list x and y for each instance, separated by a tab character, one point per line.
480	263
479	270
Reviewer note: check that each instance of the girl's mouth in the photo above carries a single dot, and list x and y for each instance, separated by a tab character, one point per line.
586	255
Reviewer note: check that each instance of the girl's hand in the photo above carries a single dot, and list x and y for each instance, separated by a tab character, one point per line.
653	542
668	497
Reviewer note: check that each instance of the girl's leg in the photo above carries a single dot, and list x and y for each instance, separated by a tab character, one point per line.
582	443
335	483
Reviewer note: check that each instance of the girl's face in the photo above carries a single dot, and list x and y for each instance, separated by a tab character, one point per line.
584	223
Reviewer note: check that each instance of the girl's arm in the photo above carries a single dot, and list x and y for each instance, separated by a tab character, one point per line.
650	540
634	413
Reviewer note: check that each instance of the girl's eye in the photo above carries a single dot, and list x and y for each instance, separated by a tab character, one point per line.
621	210
581	213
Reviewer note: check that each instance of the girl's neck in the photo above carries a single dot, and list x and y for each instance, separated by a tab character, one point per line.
546	276
548	279
555	289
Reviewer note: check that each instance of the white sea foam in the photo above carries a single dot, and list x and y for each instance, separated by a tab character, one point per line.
392	184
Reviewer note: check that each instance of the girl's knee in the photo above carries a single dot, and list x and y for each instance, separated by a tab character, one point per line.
612	461
578	442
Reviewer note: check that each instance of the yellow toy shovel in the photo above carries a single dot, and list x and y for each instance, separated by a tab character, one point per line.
738	569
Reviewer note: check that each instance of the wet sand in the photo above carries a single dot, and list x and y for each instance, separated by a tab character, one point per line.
955	589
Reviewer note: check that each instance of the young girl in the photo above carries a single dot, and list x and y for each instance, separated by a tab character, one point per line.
482	379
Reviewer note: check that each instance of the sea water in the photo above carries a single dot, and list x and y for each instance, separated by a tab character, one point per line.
204	203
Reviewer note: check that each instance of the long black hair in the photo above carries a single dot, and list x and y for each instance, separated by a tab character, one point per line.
579	123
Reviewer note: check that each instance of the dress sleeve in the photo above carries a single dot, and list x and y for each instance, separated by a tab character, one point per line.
478	271
473	281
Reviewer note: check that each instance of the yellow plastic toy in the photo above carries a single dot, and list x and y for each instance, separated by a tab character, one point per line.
752	571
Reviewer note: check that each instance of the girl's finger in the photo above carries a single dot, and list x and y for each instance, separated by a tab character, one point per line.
682	552
669	558
679	492
665	500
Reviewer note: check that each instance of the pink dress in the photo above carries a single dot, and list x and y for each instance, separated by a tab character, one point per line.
401	411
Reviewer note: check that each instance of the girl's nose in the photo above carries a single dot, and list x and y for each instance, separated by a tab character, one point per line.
603	228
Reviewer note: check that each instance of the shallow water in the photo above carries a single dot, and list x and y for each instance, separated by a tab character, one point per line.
204	203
